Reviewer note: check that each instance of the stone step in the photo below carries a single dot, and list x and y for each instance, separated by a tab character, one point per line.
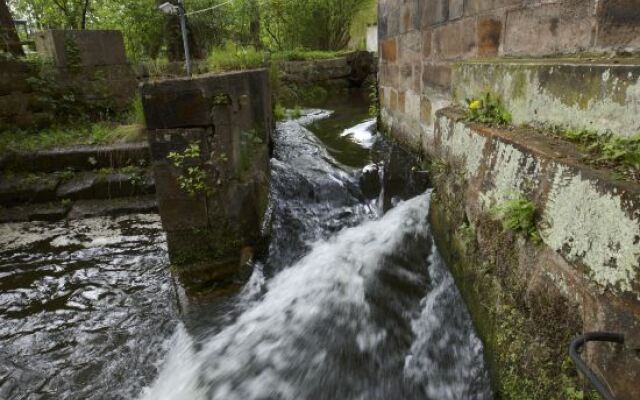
599	95
56	211
78	158
25	188
94	185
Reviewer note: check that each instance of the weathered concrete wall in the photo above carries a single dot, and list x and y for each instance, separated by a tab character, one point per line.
82	47
96	75
352	69
595	96
583	277
227	117
311	83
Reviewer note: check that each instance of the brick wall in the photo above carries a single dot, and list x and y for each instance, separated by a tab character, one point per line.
421	39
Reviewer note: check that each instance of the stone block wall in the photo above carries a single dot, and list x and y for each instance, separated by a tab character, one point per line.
85	47
228	117
89	65
421	40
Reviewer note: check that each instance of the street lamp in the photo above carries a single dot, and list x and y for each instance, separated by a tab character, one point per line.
172	9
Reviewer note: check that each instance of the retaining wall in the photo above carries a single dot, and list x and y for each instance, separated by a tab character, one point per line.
89	67
566	63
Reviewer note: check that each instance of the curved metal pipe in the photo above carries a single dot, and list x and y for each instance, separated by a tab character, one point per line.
583	368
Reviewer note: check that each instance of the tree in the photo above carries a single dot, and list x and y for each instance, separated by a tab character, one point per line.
57	14
313	24
9	39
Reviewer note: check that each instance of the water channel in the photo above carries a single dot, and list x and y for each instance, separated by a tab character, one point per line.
352	301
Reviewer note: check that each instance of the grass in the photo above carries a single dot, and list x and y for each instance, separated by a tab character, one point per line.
233	57
279	112
306	55
488	110
88	134
519	215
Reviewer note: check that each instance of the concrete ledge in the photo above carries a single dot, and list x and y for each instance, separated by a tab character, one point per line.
79	158
578	202
589	95
590	227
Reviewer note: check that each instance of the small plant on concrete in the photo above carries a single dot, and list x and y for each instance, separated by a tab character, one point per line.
221	99
249	142
374	99
466	235
66	174
519	215
135	175
621	153
279	112
488	110
193	180
296	112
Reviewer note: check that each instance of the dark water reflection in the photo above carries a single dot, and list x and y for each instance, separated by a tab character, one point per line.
85	307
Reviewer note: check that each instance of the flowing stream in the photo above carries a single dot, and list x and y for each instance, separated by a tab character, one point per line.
352	302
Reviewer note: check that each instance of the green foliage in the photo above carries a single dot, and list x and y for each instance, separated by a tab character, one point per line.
374	99
232	57
466	235
57	137
268	24
221	99
279	112
193	178
296	112
305	55
67	174
250	141
136	115
621	153
194	181
190	154
487	110
311	24
519	215
72	52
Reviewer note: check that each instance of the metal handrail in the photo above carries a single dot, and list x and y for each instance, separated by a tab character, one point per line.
582	367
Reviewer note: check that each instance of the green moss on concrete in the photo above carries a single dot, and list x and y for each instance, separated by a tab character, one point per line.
519	85
203	244
525	333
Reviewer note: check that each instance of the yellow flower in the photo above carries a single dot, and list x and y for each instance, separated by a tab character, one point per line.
475	105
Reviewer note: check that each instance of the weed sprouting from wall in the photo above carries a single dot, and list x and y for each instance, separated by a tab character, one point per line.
618	152
374	99
519	215
193	178
488	110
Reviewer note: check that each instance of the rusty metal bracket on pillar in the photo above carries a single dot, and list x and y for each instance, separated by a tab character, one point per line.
583	368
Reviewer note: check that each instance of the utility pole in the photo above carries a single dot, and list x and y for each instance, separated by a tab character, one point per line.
185	38
172	9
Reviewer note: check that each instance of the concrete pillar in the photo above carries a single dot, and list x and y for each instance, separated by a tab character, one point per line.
210	139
